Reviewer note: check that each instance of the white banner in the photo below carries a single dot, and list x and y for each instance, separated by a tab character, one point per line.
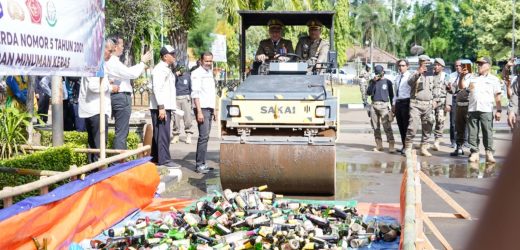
218	48
51	37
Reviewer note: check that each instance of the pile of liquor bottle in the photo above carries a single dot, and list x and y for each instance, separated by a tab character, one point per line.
250	218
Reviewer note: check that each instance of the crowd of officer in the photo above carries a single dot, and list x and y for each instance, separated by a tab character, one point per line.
422	100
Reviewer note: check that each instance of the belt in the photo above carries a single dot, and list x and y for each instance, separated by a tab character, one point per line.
420	101
126	93
379	102
403	100
462	104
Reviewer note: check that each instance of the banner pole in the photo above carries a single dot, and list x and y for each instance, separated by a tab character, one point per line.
57	111
29	104
102	136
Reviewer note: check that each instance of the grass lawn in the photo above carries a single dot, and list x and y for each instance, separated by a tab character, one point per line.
349	94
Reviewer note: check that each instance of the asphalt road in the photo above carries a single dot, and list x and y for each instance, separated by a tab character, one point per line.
368	176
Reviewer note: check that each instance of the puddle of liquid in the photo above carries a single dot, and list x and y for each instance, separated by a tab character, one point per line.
352	179
463	170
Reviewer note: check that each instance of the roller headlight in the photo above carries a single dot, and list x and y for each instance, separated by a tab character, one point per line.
234	111
321	111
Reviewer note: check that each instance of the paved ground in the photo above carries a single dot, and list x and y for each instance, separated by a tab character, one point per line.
369	176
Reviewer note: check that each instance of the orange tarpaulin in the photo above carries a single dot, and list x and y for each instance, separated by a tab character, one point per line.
87	212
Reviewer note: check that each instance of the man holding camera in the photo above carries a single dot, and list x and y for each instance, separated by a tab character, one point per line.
381	92
461	102
421	110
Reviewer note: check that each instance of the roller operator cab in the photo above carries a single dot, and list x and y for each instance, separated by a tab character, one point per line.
279	128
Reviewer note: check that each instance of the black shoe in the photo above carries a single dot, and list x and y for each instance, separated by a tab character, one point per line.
457	152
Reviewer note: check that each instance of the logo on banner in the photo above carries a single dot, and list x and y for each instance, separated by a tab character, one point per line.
15	10
35	10
1	11
51	14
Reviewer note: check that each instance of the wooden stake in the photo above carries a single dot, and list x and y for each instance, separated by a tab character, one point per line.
8	200
436	232
44	190
441	193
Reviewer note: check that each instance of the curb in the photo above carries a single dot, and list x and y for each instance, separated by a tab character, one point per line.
169	177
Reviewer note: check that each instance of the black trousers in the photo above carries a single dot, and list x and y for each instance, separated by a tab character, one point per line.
402	116
161	137
453	113
43	107
92	124
68	116
121	111
202	142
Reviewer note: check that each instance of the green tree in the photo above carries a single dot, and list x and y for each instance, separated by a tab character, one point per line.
131	25
343	36
493	28
199	36
181	16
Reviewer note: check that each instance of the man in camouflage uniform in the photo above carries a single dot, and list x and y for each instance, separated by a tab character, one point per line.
312	48
512	95
274	47
421	101
440	82
364	76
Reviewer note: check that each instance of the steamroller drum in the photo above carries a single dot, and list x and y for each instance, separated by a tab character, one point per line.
286	169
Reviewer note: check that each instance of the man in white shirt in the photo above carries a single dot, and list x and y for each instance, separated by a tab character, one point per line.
204	97
401	107
89	107
119	76
483	90
162	103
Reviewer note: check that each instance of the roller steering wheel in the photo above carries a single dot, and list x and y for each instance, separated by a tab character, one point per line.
293	56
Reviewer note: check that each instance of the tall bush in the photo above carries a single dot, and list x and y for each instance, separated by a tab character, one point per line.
13	131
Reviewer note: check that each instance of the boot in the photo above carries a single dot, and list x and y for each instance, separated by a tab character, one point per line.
188	138
379	145
424	150
473	157
489	157
458	151
436	145
175	139
391	147
408	149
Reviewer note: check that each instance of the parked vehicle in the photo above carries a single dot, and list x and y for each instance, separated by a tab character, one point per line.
342	76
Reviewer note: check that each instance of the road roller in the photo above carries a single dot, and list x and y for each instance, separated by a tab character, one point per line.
279	126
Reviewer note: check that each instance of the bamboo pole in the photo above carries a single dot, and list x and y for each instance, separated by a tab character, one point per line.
78	150
29	104
26	171
410	214
44	190
102	136
419	227
9	193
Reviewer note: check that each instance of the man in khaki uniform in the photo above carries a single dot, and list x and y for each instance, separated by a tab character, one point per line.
440	82
312	48
274	47
421	101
